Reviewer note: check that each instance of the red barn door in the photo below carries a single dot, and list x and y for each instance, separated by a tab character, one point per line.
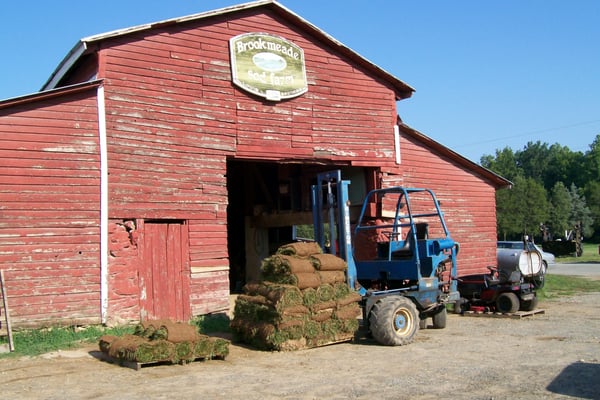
164	275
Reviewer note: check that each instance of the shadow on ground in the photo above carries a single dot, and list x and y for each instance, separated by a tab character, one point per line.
579	379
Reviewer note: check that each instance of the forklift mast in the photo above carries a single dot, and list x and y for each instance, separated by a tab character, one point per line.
331	220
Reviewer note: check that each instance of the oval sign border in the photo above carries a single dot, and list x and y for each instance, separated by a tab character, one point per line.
273	85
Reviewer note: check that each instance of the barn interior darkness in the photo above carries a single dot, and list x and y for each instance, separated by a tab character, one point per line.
266	200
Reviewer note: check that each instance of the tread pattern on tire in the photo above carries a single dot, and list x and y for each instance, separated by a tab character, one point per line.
507	303
381	321
439	319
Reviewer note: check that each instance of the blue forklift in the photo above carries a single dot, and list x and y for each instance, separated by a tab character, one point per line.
400	256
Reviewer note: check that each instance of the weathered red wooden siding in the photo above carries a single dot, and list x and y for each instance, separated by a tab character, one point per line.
49	210
467	200
345	115
173	117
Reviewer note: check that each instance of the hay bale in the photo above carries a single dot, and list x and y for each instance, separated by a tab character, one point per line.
175	332
300	249
278	339
185	351
291	323
351	297
332	277
324	305
322	315
105	342
220	347
298	311
331	328
312	329
302	280
351	311
118	347
325	292
328	262
211	347
139	349
279	295
251	309
309	297
255	333
307	280
156	350
340	290
350	325
281	264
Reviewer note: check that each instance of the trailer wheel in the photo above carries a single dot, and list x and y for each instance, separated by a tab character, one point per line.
394	321
439	318
507	303
538	281
529	305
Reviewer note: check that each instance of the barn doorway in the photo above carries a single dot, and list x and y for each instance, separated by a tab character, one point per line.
164	275
267	201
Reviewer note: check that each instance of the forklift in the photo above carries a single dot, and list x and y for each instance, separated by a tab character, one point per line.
401	258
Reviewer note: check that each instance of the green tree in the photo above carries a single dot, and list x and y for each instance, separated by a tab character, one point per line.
580	213
533	160
591	165
560	210
521	209
592	195
563	165
546	165
504	163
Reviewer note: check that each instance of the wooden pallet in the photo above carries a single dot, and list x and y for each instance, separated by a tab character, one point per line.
517	315
139	365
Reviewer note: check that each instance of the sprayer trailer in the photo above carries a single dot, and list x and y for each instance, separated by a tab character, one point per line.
400	255
509	287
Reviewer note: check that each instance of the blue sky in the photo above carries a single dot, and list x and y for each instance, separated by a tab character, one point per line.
487	74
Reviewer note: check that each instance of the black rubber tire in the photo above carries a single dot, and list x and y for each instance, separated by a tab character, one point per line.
423	323
539	281
394	321
507	303
439	318
529	305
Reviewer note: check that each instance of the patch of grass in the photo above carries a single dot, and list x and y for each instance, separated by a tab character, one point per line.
211	323
590	254
39	341
564	285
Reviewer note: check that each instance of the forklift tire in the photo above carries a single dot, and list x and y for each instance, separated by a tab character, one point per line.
529	305
439	318
394	321
507	303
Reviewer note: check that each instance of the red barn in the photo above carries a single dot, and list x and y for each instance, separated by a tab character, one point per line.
160	163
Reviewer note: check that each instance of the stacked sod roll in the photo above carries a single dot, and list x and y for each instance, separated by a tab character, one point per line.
301	301
163	341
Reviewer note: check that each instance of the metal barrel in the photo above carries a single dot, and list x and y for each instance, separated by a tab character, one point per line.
529	263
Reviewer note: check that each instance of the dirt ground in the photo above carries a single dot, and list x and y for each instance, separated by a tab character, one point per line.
554	355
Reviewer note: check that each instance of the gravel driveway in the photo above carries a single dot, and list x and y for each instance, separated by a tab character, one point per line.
550	355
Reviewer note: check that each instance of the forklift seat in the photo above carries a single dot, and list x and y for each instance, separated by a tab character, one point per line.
407	248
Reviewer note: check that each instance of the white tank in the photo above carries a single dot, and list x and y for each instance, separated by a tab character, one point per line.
529	263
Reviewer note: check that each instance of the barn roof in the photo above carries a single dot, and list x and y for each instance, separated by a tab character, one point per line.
83	46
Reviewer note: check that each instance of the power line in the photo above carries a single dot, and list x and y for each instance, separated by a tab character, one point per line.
533	132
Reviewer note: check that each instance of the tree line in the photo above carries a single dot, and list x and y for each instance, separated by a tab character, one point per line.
555	192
